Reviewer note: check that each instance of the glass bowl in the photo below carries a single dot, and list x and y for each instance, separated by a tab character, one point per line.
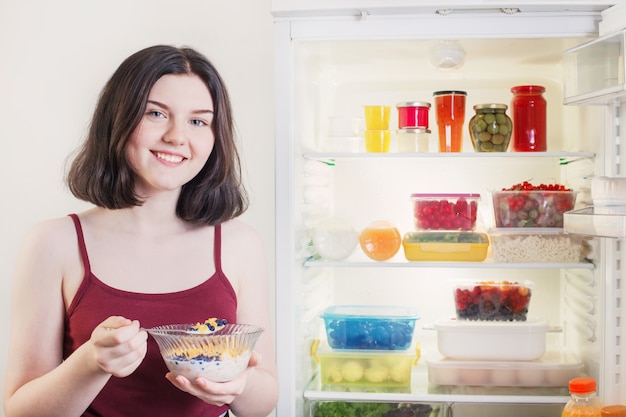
219	356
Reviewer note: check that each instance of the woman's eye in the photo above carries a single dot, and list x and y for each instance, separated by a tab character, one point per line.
198	122
155	113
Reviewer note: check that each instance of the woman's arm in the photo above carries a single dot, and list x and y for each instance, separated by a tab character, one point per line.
38	381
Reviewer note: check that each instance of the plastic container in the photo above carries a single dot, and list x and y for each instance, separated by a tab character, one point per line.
539	208
344	144
528	108
492	301
413	114
377	140
551	370
369	327
537	245
413	140
490	128
377	117
445	246
493	340
608	191
365	367
373	407
445	211
584	401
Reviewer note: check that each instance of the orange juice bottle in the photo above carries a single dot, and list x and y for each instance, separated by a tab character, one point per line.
583	402
613	411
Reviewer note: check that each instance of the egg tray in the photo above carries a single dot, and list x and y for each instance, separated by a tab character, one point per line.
551	370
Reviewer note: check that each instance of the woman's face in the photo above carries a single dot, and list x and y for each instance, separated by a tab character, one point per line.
174	138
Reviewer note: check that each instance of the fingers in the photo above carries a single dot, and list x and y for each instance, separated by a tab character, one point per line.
119	346
255	359
215	393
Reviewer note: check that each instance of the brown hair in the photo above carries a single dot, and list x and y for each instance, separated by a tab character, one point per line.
101	174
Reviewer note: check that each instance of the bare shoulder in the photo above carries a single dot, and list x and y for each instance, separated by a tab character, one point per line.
52	234
239	234
241	241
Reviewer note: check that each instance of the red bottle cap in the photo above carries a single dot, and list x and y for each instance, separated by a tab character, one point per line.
582	385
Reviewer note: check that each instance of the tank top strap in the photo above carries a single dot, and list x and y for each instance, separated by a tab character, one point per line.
217	248
81	243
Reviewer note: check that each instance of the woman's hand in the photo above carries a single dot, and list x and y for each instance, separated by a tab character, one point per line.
118	346
216	393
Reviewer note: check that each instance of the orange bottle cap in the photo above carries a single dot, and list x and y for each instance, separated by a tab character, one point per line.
613	411
582	385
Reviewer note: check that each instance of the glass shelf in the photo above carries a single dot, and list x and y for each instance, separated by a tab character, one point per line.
598	222
421	391
565	157
422	264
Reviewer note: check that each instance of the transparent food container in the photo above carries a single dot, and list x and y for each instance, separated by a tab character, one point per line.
538	245
492	301
369	327
540	208
365	367
445	211
553	369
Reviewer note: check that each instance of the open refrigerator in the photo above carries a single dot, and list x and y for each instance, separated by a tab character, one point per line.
331	60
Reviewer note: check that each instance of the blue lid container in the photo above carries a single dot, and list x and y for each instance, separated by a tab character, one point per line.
369	327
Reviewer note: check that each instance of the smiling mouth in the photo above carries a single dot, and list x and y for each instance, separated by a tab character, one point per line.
169	157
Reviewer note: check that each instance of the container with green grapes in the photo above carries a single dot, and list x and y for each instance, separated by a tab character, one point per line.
490	128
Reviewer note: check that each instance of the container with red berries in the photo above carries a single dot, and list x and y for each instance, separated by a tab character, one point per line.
445	211
491	300
528	205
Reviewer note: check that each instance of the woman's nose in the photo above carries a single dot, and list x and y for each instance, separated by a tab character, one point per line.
175	134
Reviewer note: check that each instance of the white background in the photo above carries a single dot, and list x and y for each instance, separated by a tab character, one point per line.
55	56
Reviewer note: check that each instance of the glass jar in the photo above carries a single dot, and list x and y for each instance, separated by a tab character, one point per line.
413	114
490	128
583	401
450	116
413	140
528	108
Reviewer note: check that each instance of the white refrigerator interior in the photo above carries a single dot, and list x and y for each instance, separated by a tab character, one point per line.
329	65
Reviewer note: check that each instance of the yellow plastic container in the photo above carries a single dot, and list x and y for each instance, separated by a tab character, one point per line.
365	367
445	246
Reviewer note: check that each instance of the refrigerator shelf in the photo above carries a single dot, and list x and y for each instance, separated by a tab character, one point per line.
422	391
489	264
565	157
598	222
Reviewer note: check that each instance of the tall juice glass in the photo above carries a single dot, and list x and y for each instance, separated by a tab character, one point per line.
450	115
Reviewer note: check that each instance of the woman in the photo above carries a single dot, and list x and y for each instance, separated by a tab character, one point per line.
162	245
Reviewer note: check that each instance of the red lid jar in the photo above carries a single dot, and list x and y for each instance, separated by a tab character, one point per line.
413	115
528	111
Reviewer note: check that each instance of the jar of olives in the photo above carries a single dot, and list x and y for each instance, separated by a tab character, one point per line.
490	128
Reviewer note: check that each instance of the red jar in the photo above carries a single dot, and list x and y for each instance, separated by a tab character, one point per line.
528	111
413	115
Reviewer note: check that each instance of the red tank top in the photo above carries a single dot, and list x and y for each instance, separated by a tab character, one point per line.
146	392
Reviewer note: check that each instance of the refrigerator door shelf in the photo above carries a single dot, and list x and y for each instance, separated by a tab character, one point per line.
595	72
597	221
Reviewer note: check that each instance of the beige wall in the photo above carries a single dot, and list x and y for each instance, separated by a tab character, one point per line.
54	58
